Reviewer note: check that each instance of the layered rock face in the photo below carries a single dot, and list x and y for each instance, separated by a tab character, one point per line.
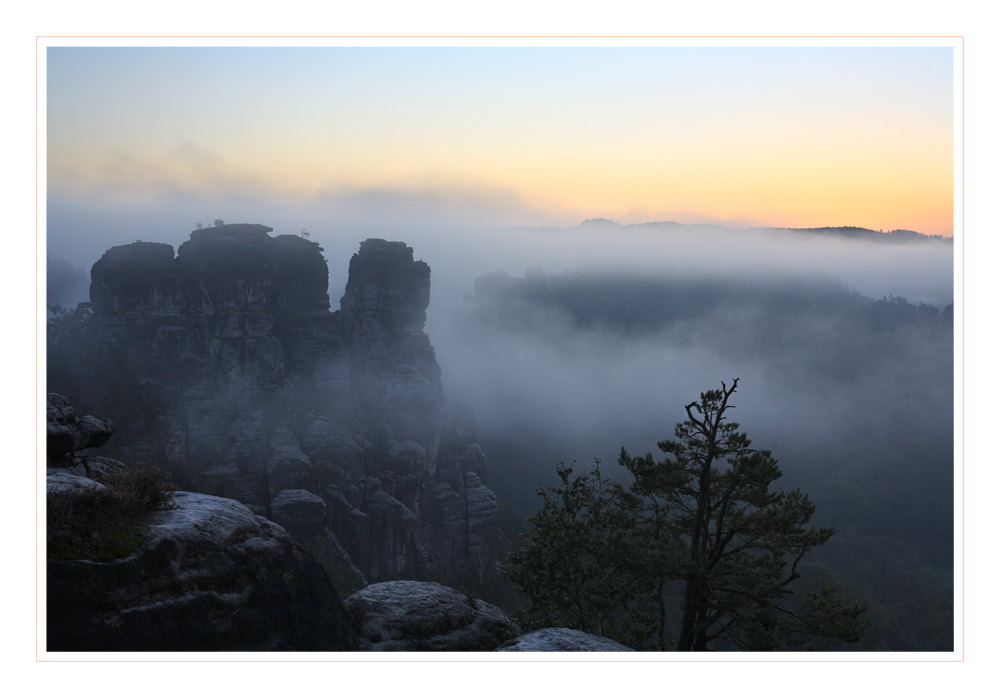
226	365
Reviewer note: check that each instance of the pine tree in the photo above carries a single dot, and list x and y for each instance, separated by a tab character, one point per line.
601	558
743	541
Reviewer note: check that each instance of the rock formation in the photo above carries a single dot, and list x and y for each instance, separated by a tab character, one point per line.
408	616
225	365
209	576
205	574
561	640
66	433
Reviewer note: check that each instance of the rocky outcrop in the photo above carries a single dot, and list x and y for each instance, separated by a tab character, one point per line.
208	576
301	513
224	363
562	640
198	573
407	616
67	433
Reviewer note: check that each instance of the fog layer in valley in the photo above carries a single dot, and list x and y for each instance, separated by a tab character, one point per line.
639	319
575	364
843	348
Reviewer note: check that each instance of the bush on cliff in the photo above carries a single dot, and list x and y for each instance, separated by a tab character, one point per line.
105	523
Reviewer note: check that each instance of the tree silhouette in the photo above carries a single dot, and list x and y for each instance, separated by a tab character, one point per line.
599	557
743	541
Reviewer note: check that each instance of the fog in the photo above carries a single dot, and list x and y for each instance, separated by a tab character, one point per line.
547	384
463	235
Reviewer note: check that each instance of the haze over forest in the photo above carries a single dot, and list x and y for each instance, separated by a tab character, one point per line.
572	366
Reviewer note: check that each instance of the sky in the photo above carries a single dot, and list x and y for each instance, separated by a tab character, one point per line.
791	137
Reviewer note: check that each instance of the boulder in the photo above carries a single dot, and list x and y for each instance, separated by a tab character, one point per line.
62	481
562	640
409	616
67	433
208	576
301	513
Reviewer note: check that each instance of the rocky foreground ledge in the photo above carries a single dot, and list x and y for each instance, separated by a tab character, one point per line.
211	576
208	576
205	574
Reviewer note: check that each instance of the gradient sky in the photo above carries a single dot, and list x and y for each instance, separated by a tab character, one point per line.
799	137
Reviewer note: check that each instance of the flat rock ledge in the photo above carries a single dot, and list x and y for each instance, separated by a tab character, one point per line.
562	640
410	616
208	576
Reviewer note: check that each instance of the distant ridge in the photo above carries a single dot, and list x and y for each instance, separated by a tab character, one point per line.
848	231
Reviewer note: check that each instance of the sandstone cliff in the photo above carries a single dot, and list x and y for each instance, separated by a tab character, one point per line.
134	566
225	365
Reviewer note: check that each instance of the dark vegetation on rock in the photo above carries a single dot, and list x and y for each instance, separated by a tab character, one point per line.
103	521
208	576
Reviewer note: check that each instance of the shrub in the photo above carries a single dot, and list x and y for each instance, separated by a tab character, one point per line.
105	524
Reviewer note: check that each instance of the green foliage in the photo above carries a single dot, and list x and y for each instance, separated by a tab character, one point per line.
105	524
744	541
582	566
892	549
606	560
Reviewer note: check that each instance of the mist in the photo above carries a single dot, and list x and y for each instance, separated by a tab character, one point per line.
464	233
536	370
